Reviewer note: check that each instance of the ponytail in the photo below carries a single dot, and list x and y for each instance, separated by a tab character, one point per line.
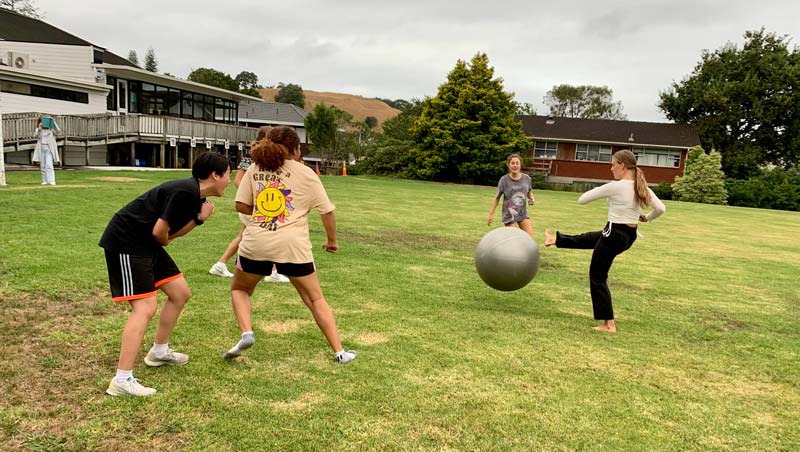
641	193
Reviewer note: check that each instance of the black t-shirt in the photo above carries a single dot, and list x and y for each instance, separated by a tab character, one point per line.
131	228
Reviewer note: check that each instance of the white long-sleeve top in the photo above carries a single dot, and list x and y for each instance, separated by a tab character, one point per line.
622	205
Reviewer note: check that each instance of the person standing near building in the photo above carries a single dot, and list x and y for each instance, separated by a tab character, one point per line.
46	150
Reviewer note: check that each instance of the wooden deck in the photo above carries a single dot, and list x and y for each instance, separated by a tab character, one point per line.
19	131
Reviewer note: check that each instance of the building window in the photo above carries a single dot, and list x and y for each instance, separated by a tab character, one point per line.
657	157
174	102
186	107
111	99
134	90
545	149
47	92
593	152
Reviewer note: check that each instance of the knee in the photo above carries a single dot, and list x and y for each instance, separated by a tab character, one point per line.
144	309
182	296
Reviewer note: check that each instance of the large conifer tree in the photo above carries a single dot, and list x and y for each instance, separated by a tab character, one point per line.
465	133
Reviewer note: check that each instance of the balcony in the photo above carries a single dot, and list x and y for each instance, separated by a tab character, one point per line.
87	131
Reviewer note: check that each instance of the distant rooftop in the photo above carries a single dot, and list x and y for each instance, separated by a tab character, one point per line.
632	133
271	112
18	28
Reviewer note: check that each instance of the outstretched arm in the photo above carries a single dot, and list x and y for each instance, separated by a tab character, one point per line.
602	191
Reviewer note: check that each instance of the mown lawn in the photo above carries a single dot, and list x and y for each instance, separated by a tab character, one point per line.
706	357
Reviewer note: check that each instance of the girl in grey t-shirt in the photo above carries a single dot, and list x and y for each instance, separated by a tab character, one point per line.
514	187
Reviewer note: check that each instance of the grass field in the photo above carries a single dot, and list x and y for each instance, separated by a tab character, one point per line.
706	357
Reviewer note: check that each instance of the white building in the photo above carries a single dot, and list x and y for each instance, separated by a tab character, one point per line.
45	70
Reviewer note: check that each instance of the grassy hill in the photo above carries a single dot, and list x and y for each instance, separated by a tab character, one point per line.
358	106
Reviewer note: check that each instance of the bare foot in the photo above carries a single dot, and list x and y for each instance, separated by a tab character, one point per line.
608	326
605	329
549	238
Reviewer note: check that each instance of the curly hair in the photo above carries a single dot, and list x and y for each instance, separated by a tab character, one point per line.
285	136
268	155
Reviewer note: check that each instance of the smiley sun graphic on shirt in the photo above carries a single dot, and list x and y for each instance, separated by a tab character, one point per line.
273	203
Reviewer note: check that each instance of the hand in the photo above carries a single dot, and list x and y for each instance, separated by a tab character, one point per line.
205	211
643	218
331	246
489	223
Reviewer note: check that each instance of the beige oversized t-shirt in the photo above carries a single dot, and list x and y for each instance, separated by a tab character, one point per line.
281	200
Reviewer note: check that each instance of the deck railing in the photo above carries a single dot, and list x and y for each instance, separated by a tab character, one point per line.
21	129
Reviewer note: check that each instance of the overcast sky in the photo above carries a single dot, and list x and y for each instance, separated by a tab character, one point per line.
404	49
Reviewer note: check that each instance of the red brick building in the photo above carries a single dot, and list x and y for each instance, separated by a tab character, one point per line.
575	149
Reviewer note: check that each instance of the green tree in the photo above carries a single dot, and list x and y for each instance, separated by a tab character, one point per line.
399	104
133	57
150	61
703	180
371	122
213	77
745	102
291	94
465	133
525	108
248	83
320	126
24	7
585	101
388	153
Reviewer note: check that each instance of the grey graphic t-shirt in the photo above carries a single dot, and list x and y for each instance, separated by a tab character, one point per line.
515	193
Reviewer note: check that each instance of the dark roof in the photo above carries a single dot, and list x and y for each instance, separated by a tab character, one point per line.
113	58
16	27
610	131
271	111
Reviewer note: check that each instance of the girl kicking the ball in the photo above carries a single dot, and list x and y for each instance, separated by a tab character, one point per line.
627	195
514	187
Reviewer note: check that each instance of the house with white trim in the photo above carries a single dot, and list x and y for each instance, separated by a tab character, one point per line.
45	70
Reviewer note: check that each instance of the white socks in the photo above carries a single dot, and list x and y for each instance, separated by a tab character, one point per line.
244	343
159	350
123	375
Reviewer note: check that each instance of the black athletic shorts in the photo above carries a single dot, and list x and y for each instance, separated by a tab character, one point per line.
135	277
265	267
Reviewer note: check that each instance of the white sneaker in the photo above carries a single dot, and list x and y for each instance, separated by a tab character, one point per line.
276	277
130	387
343	357
172	358
220	269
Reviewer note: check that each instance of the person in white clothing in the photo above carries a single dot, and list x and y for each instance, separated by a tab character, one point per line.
46	150
626	197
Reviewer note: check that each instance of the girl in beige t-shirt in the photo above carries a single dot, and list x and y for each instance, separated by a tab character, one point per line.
278	192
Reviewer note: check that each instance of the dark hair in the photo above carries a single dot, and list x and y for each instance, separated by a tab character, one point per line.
285	136
268	155
262	132
208	163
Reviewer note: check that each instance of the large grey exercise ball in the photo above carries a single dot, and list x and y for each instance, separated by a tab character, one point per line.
507	259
